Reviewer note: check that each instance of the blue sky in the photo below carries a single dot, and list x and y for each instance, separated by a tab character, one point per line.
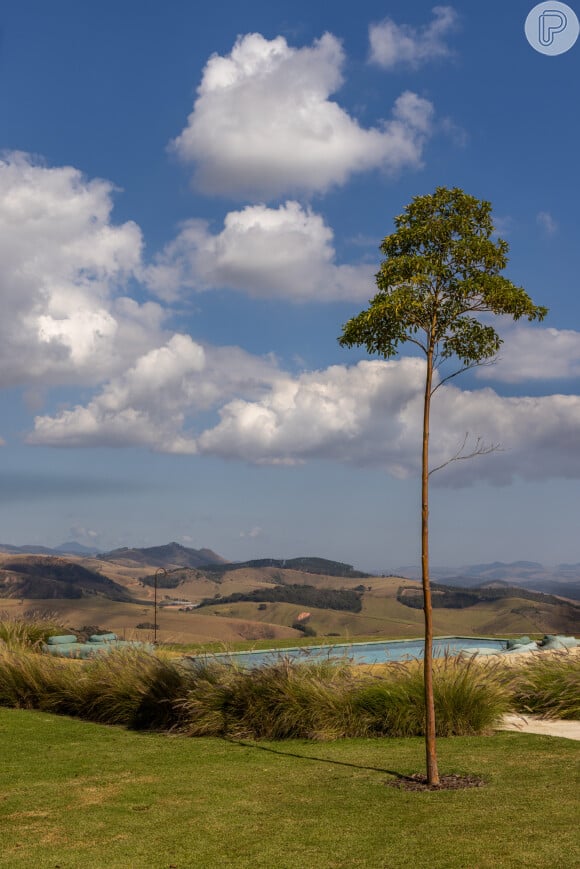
191	206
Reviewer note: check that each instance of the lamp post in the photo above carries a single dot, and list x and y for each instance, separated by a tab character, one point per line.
159	572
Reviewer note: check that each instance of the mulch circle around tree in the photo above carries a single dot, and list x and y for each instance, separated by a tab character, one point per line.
418	782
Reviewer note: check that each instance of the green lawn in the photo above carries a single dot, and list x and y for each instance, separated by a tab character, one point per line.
76	795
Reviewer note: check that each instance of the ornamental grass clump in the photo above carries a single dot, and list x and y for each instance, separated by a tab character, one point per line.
126	687
468	699
133	688
332	699
27	633
29	680
547	685
283	700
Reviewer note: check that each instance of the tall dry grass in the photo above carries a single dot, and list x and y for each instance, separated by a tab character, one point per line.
547	685
27	632
287	699
330	700
279	701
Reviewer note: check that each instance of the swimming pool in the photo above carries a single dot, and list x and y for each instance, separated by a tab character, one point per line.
361	653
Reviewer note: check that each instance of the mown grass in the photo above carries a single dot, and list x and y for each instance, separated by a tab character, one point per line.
75	794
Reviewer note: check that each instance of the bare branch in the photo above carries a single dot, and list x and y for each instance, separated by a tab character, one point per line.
480	449
453	374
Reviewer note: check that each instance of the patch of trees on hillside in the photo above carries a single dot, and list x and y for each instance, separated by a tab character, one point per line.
51	578
305	564
304	595
451	597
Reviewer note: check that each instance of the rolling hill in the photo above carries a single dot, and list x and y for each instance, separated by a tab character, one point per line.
265	598
45	577
562	580
170	555
305	564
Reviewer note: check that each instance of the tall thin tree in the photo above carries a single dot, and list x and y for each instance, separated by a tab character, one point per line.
442	266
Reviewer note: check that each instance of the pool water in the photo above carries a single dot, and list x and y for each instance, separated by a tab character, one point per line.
363	653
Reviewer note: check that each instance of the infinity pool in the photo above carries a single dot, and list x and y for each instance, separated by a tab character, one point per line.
363	653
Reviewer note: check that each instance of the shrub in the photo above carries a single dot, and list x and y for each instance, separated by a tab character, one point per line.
128	687
306	629
547	685
280	701
28	632
330	699
29	680
468	699
133	688
286	699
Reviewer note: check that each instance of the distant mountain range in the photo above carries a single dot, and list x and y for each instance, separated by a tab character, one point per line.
562	580
70	548
170	555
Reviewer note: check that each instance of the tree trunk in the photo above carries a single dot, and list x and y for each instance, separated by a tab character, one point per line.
430	747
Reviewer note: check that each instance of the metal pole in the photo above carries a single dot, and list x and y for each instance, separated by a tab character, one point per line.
160	571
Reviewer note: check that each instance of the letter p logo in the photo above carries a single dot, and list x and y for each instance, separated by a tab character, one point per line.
551	22
552	27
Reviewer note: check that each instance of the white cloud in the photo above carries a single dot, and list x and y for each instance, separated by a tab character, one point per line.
254	532
535	354
263	125
285	252
370	415
64	267
545	220
330	413
401	45
86	536
149	404
144	406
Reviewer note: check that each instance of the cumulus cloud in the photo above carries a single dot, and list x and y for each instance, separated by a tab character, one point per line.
535	354
64	268
149	405
263	125
286	252
367	415
333	413
395	45
142	407
370	415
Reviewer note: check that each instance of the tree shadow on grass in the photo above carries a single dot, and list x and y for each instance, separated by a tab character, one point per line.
245	744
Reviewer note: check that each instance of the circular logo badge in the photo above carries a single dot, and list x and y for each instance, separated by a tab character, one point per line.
552	27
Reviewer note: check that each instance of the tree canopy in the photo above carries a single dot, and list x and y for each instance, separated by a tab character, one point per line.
442	267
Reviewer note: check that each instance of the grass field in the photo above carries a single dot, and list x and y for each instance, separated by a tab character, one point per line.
74	794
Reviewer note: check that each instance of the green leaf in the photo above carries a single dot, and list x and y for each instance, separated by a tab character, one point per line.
442	266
